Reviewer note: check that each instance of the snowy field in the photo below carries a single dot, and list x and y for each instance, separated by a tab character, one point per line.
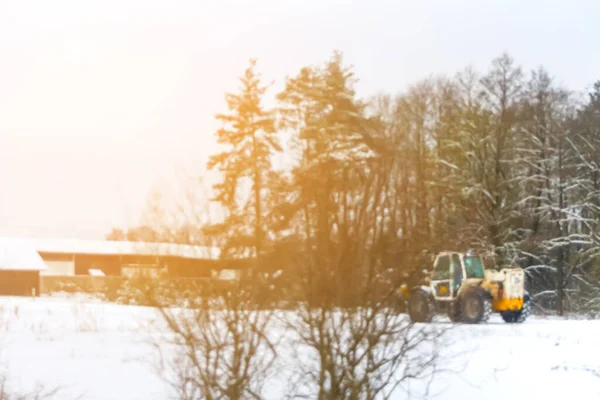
100	351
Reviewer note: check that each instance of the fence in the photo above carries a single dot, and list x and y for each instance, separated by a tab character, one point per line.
128	290
80	283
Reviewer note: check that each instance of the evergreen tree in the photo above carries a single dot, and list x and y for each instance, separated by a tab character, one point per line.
320	109
249	134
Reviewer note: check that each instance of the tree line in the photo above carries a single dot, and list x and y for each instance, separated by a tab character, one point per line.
502	161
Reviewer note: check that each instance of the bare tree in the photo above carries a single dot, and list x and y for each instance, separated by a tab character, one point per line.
351	341
220	345
40	392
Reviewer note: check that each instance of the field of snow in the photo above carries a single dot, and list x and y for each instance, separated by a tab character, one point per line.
100	351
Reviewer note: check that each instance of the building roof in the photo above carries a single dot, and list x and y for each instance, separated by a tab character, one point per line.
107	247
20	255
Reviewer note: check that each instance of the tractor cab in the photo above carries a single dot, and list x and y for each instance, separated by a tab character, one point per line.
451	269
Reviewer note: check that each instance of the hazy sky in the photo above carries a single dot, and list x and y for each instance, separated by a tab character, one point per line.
100	99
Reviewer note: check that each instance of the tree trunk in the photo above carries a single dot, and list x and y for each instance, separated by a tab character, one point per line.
257	208
561	251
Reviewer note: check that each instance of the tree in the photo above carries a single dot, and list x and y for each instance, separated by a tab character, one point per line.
223	341
320	108
250	135
543	156
339	205
501	96
581	276
116	234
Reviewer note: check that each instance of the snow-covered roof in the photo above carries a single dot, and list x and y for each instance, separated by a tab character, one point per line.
20	254
106	247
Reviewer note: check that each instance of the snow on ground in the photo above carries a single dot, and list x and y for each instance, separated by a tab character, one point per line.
542	358
99	350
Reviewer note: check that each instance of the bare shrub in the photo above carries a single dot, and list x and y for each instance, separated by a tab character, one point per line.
85	321
362	351
38	393
218	347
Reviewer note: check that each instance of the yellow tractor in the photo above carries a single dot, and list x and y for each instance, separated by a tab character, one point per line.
463	289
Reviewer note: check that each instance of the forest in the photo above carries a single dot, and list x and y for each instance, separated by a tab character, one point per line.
502	161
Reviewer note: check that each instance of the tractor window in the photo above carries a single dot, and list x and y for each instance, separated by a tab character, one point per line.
441	269
474	267
457	271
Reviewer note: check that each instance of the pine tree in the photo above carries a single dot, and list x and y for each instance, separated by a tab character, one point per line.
327	122
249	134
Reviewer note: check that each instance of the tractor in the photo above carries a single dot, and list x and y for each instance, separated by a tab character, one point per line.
463	289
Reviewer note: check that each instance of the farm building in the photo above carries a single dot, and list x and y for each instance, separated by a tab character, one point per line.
20	267
30	265
70	257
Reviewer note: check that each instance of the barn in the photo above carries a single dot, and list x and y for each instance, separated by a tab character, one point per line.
20	268
72	257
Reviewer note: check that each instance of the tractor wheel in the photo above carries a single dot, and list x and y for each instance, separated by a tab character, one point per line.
509	316
525	311
474	307
420	307
518	317
454	312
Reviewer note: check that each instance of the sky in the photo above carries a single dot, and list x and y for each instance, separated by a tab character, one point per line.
102	100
